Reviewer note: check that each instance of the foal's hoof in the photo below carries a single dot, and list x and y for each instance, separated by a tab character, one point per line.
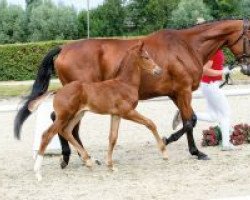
64	163
89	163
112	168
39	177
165	154
203	156
165	140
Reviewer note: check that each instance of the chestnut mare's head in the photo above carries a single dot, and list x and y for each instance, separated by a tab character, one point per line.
240	46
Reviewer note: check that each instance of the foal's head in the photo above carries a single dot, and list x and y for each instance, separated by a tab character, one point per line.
143	60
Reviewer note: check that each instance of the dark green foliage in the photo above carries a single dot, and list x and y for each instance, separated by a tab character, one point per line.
229	57
187	13
82	24
49	22
145	16
108	19
12	19
21	61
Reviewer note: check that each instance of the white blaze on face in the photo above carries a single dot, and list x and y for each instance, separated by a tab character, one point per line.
244	67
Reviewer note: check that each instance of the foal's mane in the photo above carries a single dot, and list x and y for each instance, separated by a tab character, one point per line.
129	56
208	22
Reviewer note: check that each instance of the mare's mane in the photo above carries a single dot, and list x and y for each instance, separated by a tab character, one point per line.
206	22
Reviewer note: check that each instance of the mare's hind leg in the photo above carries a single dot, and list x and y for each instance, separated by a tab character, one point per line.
65	146
133	115
66	152
46	138
113	135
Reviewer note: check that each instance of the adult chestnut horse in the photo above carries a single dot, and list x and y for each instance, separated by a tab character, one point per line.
181	54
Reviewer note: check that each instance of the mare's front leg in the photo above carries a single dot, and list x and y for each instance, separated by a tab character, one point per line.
133	115
113	135
183	102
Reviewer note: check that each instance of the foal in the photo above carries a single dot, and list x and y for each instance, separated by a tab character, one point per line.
117	97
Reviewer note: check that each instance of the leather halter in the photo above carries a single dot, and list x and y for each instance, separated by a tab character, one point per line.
246	42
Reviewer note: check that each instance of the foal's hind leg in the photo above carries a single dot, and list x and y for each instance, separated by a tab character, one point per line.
46	138
113	135
133	115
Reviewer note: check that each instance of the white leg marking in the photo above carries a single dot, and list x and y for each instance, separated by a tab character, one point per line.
37	167
35	153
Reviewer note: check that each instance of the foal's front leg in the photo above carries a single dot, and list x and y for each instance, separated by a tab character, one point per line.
133	115
113	135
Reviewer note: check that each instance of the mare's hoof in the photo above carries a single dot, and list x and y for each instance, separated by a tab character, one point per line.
63	163
203	156
165	140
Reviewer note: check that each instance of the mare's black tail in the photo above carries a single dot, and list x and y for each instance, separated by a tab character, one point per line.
40	86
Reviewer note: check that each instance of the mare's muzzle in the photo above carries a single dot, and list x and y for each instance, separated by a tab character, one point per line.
245	69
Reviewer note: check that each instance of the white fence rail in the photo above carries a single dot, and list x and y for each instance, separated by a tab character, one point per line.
196	95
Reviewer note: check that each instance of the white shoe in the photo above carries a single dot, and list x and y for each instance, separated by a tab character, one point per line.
176	120
230	147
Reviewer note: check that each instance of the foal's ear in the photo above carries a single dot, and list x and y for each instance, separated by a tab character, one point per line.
140	45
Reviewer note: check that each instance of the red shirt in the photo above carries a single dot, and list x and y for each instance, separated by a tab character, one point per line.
218	62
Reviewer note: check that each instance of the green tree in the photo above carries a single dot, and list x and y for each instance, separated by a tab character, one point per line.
188	12
108	19
30	4
49	22
245	8
145	16
82	24
224	8
11	23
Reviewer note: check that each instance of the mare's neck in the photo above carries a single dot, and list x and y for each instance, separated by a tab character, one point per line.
206	39
129	71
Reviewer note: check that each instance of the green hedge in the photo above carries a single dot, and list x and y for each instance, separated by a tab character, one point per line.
21	61
229	57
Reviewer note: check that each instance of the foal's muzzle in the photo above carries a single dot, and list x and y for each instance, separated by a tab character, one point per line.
157	70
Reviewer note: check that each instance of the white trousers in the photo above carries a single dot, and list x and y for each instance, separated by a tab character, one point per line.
218	109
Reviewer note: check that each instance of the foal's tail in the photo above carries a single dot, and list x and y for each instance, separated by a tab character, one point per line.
40	86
